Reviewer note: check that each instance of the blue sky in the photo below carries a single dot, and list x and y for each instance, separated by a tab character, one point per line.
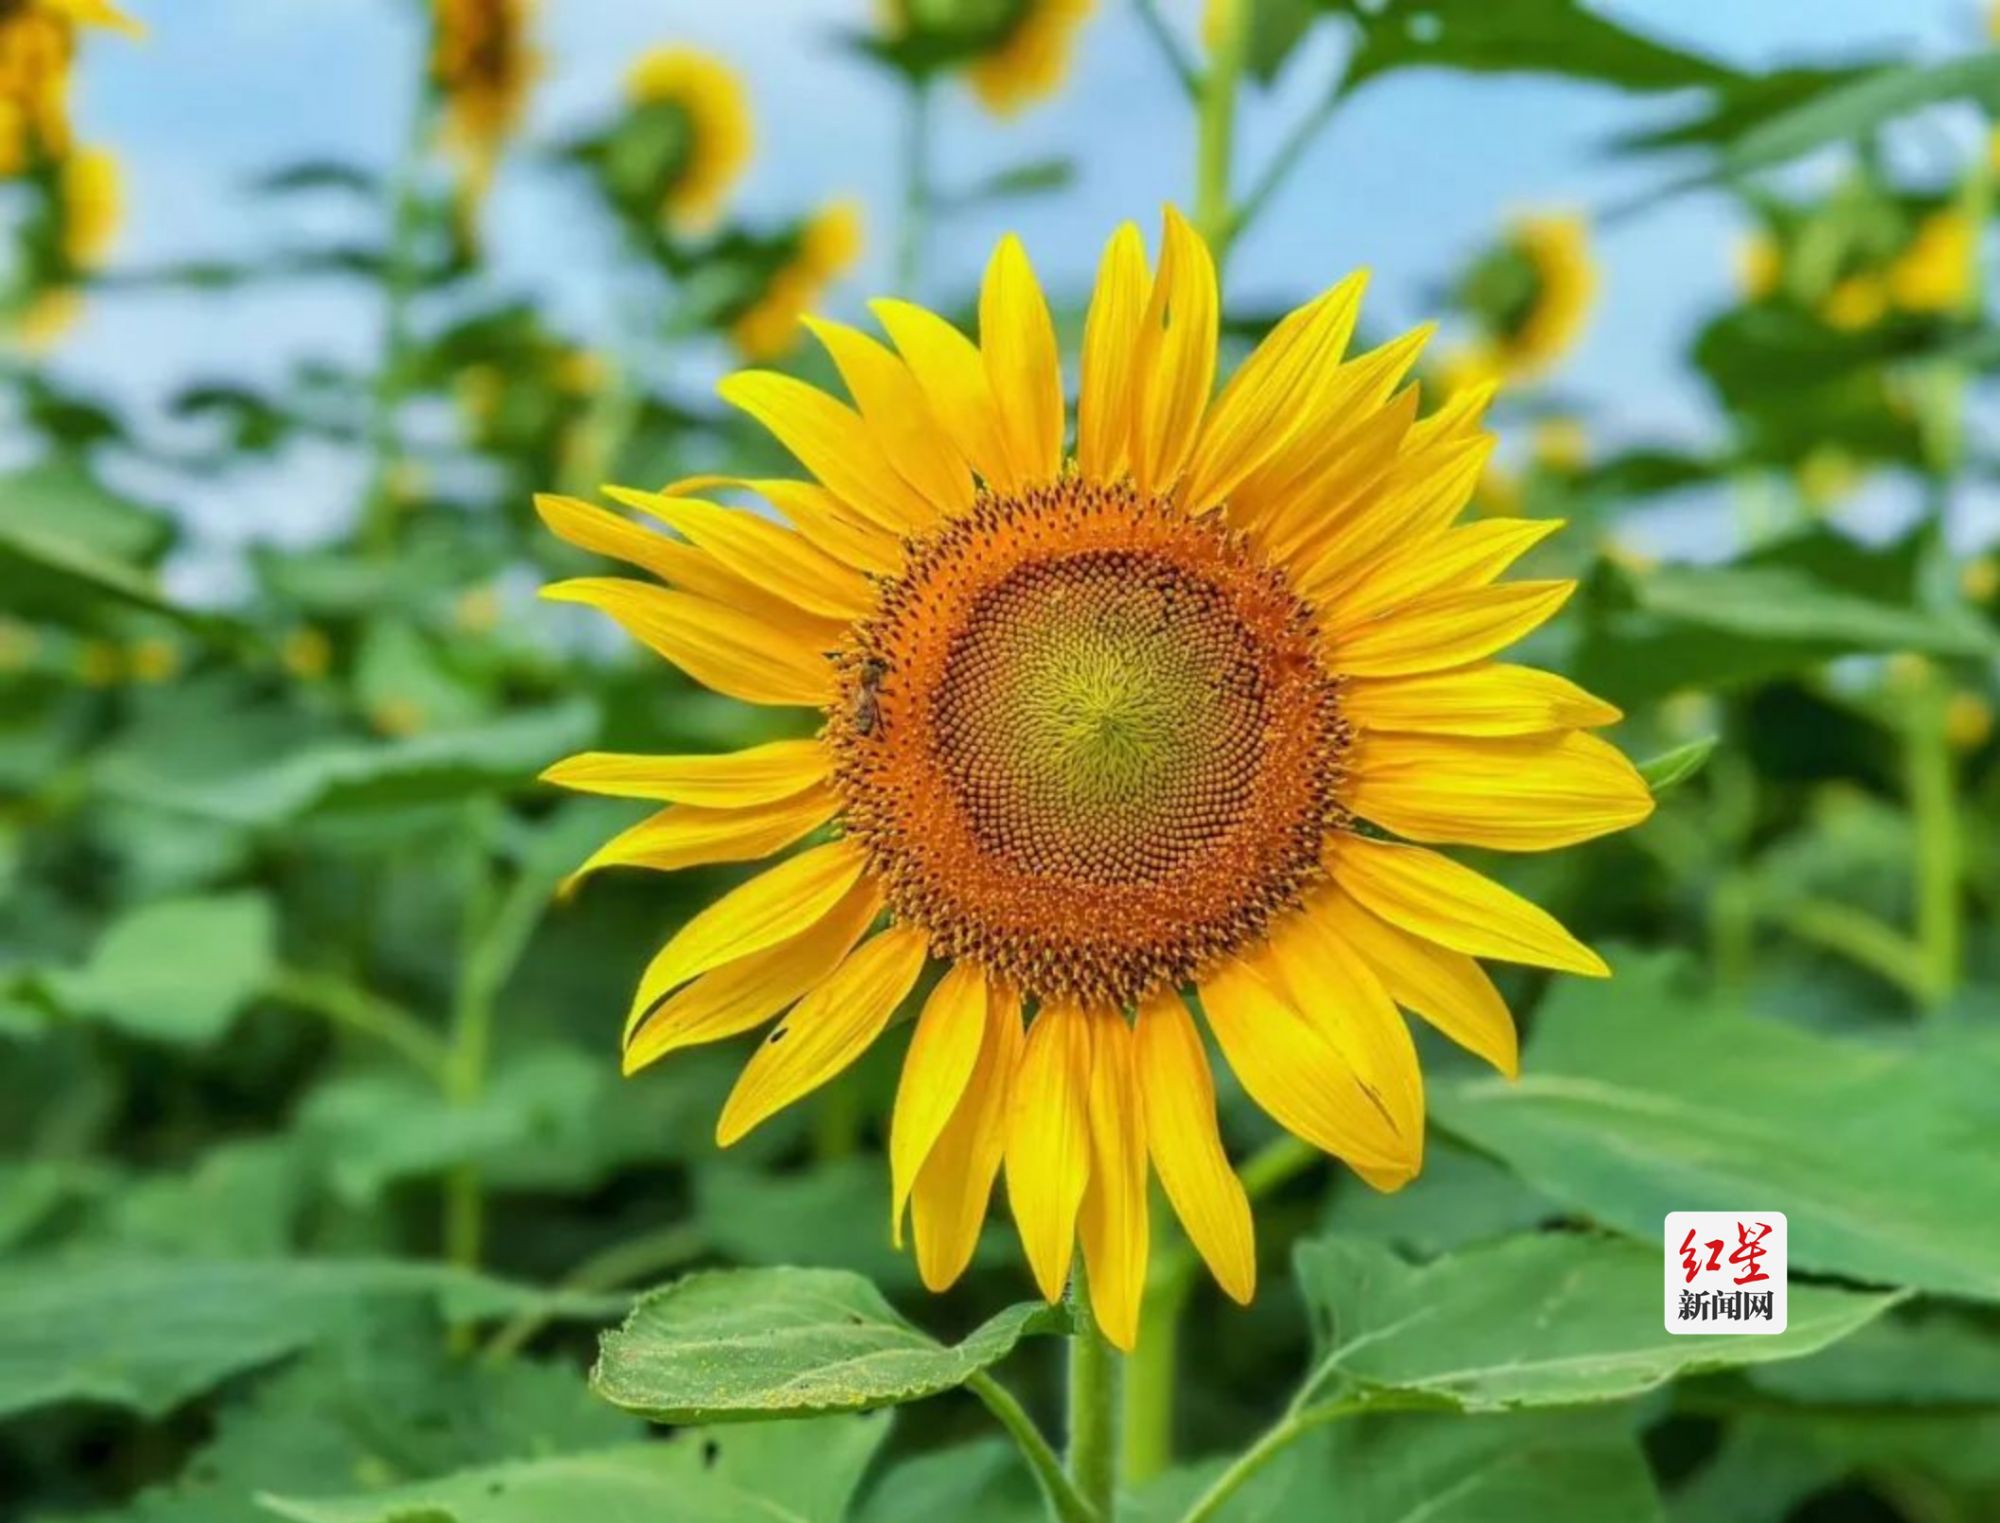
1419	170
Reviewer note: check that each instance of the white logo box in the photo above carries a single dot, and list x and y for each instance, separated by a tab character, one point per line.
1726	1271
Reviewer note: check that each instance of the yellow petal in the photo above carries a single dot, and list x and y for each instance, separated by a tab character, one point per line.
1447	629
747	992
780	560
1175	359
948	366
1522	793
1300	1078
1475	700
827	1030
818	515
1181	1134
603	532
948	1206
1104	410
1413	505
1442	901
893	404
1446	988
772	906
99	13
1018	343
733	652
689	835
1112	1220
936	1070
1353	468
731	780
1294	477
830	440
1456	561
1264	402
1048	1141
1336	991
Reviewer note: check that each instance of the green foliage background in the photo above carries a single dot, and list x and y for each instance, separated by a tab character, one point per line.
318	1184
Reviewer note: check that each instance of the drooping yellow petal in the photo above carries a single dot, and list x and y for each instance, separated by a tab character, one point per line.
691	835
1104	408
1446	988
1521	793
818	515
948	1205
1447	629
1017	341
831	440
735	653
769	908
1443	901
1455	561
746	992
943	1051
826	1031
1112	1220
1336	991
1476	700
948	366
1301	1079
1048	1141
731	780
893	404
778	559
1175	358
1179	1096
1265	400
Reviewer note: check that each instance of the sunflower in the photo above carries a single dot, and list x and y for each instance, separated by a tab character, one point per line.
483	64
87	194
1013	52
691	127
825	247
1179	712
37	49
1530	296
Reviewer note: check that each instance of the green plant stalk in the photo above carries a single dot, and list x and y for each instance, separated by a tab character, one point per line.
381	510
1094	1377
917	193
1294	1425
1152	1374
357	1009
1064	1500
622	1263
1860	938
1184	70
1215	133
1939	865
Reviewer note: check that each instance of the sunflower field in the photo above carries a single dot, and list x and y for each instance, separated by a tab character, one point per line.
1114	761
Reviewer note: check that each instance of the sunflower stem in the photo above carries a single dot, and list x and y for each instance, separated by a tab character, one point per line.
1064	1500
1228	33
916	189
400	272
1094	1378
1933	785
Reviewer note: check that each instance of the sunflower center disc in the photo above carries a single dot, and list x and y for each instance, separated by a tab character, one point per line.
1086	743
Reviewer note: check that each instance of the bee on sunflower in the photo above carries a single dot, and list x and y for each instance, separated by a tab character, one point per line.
1012	53
1529	297
1171	712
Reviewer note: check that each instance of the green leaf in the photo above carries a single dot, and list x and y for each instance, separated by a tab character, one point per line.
1460	1197
1520	37
1672	768
982	1482
1636	1100
176	971
383	1404
1556	1319
796	1472
1923	1356
1036	177
1276	27
1429	1467
148	1333
735	1345
348	775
